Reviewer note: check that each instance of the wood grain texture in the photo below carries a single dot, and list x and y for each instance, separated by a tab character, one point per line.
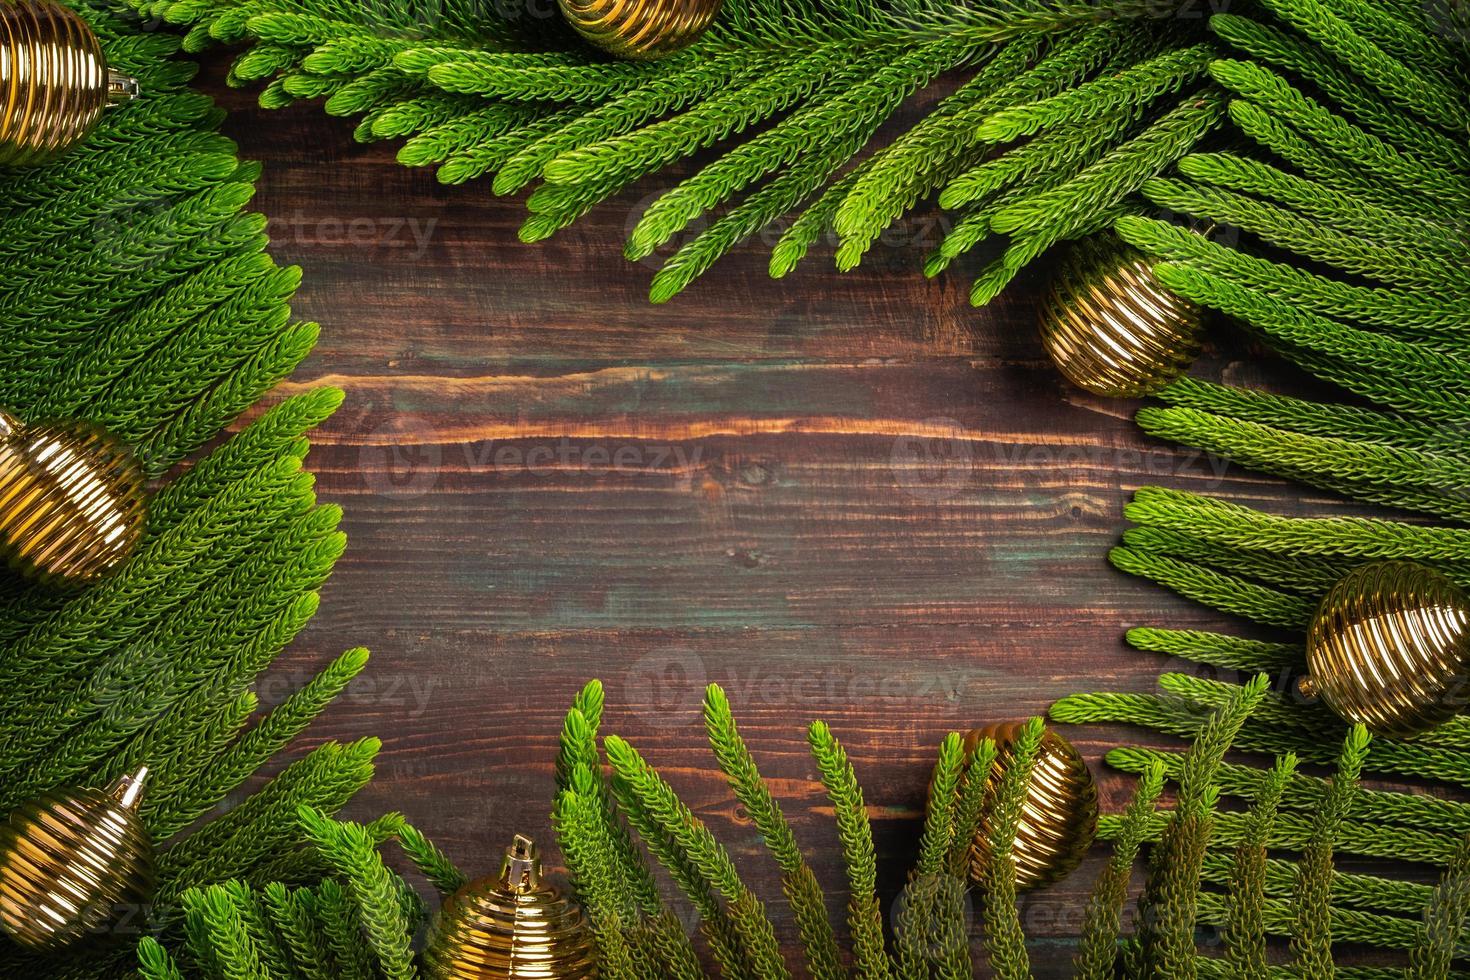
849	497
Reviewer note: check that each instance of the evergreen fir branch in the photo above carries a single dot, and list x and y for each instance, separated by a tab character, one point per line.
1370	471
190	737
349	850
1068	62
1329	207
1348	890
1444	920
938	836
1182	718
1097	954
1431	99
343	929
277	433
1309	793
232	950
1266	43
579	752
665	93
919	160
1228	593
1289	230
1430	319
698	862
1057	214
233	844
932	928
1231	524
1169	904
154	963
258	745
844	122
865	917
1245	933
1347	925
1408	184
970	806
257	926
574	817
1218	649
578	743
844	67
1304	576
1312	932
1165	74
1037	164
1294	832
1309	417
800	883
291	912
432	863
1400	33
1005	941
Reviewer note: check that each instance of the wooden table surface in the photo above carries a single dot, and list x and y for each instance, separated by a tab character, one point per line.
848	497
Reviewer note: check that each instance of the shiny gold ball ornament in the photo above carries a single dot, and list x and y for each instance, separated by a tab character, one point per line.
1111	327
1059	817
1390	647
71	860
640	30
71	500
54	81
512	927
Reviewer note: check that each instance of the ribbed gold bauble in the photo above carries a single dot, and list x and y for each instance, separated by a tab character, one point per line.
54	81
640	30
1390	648
71	500
1111	327
71	861
1059	819
513	927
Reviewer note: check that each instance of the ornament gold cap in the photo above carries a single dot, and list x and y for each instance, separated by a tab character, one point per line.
54	81
1059	818
71	500
1111	327
1389	647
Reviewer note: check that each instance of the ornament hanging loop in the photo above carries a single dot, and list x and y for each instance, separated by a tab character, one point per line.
122	89
128	789
521	872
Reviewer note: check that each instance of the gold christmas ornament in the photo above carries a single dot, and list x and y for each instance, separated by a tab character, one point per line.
71	860
1389	647
1111	327
512	927
640	30
71	500
1059	818
54	81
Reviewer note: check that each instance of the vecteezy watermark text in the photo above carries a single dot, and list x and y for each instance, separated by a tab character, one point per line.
333	231
566	455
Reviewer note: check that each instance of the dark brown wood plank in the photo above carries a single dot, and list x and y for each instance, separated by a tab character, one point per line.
843	497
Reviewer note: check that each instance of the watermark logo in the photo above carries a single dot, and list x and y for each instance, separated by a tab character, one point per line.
667	687
401	458
935	462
